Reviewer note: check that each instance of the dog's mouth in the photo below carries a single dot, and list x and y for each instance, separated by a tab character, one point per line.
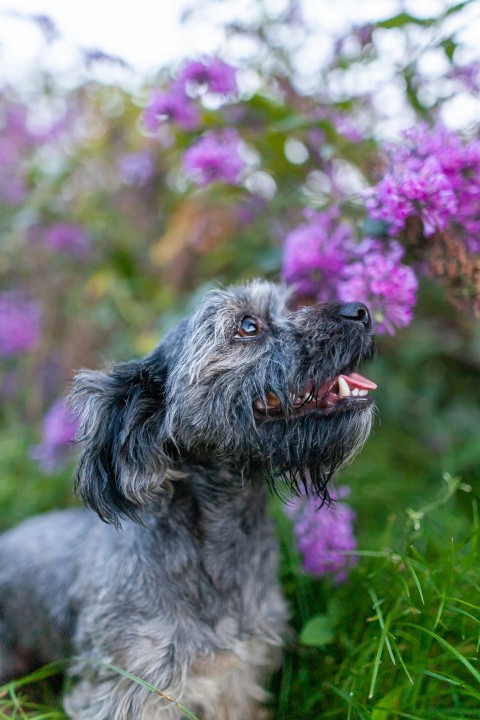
345	392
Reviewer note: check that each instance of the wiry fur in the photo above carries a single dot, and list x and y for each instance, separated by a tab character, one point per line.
178	586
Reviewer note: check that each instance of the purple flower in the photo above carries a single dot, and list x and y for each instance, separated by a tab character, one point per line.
15	126
345	126
467	75
215	158
414	190
315	254
67	237
13	188
383	282
435	175
364	34
212	73
19	324
59	428
324	535
137	168
172	105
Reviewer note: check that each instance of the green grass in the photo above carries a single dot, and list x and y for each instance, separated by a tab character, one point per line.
401	638
33	696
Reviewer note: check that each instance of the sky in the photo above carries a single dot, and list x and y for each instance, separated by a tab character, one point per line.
149	35
144	37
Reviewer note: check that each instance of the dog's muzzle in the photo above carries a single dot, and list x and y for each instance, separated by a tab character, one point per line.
346	391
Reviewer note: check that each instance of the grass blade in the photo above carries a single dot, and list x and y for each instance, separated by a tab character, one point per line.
448	647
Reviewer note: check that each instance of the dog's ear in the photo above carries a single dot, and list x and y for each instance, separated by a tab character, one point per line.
121	430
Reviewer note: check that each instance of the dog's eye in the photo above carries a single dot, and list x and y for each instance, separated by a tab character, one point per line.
249	327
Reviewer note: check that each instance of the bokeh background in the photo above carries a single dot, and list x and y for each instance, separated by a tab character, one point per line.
110	233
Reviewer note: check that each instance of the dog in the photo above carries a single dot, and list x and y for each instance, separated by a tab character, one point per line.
178	451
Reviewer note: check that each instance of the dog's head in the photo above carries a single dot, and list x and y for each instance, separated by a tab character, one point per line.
245	382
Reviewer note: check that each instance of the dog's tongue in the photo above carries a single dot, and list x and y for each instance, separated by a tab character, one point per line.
354	380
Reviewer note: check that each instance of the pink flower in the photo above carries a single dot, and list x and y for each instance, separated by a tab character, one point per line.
383	282
411	190
435	176
346	127
172	105
324	535
67	237
19	324
59	428
315	254
212	73
215	158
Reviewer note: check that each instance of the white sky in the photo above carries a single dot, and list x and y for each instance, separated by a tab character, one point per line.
148	34
145	33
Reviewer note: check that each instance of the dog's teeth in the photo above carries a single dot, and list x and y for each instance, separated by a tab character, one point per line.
355	392
273	400
343	389
362	393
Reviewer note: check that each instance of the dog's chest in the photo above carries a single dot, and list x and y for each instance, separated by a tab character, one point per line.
222	648
247	639
232	679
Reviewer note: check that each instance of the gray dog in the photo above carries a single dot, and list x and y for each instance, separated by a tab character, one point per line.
178	585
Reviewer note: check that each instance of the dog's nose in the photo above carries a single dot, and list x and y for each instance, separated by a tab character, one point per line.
356	312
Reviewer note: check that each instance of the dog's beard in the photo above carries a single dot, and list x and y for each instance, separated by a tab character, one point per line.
301	457
298	456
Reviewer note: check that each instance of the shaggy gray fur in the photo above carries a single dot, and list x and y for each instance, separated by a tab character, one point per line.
178	585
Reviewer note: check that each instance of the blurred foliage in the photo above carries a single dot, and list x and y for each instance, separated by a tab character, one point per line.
155	245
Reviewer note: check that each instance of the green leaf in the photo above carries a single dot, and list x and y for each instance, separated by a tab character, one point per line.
403	19
390	701
318	632
449	46
456	8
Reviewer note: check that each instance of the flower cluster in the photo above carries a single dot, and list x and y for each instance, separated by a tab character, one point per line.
434	176
322	259
67	237
315	254
19	324
210	74
378	277
172	105
324	535
176	104
59	428
215	157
